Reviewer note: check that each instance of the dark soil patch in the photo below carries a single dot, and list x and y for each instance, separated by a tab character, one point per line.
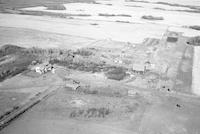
90	113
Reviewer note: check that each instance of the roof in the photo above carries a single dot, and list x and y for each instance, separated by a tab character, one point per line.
173	34
43	65
138	67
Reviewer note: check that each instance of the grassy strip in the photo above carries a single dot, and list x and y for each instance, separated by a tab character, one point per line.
141	1
149	17
58	15
178	5
113	15
158	8
195	27
196	9
120	21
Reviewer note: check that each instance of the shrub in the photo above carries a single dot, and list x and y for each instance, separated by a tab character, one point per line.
116	74
112	15
124	15
11	72
107	15
90	113
83	52
149	17
195	27
56	7
132	108
120	21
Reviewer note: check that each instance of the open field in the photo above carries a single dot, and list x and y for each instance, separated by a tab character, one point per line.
9	100
115	31
127	115
35	38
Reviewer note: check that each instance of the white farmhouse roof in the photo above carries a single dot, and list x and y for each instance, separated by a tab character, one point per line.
138	67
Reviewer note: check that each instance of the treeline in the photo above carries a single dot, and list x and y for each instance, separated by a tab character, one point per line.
195	41
9	49
15	67
9	68
81	59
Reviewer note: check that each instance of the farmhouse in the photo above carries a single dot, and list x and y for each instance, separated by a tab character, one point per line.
149	66
44	68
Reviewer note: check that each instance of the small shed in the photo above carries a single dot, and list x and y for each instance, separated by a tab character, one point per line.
172	37
138	68
38	70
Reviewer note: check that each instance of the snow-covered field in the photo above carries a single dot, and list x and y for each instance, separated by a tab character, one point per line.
196	71
105	30
124	32
182	2
135	30
174	18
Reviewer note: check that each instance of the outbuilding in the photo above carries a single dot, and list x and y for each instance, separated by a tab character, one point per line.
172	37
138	68
44	68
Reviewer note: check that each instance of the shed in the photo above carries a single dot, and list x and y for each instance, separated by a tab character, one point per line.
172	37
138	68
38	70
